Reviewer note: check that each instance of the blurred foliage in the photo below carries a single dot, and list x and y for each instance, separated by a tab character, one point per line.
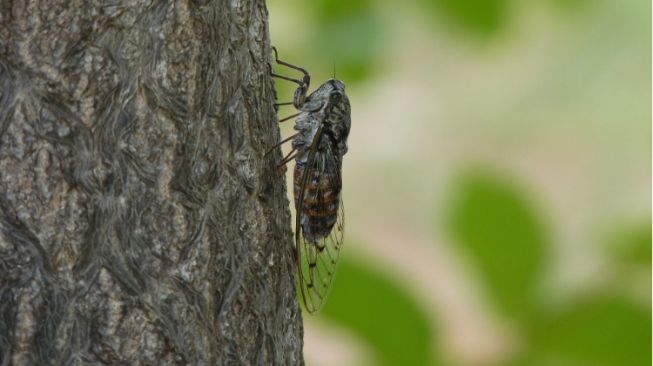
344	38
493	220
347	32
506	241
632	245
569	4
503	235
351	43
601	330
381	312
496	224
480	17
350	33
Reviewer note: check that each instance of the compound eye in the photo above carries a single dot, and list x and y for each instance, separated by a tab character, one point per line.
335	97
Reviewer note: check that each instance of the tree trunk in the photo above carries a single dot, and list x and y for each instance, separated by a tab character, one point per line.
140	222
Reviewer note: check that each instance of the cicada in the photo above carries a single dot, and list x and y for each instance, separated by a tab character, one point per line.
318	147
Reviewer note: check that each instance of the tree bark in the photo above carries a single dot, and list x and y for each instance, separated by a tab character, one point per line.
140	222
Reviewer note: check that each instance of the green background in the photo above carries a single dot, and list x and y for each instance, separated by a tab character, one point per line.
497	183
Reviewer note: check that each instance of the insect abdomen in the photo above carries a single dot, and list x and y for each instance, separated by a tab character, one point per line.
319	208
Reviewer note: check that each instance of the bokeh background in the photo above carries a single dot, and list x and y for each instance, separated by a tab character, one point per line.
498	180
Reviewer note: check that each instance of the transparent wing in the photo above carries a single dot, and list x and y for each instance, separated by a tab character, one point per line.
318	263
317	256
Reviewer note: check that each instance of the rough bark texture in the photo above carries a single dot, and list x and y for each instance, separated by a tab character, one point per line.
140	222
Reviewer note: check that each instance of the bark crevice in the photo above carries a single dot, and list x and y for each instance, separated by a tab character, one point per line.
140	222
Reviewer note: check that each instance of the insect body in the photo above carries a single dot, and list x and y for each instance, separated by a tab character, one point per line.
322	125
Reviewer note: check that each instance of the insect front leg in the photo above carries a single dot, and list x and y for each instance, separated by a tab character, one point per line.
303	84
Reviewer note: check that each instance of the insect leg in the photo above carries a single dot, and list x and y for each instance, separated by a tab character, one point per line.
299	82
282	142
272	73
286	159
280	104
281	167
302	89
300	92
306	78
289	117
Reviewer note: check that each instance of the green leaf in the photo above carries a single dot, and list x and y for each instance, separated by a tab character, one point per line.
483	17
497	226
347	32
602	331
330	10
352	43
569	5
382	313
632	245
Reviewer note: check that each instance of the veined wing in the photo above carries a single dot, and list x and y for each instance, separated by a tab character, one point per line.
319	226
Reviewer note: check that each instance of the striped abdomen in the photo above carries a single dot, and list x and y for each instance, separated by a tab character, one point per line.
319	207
